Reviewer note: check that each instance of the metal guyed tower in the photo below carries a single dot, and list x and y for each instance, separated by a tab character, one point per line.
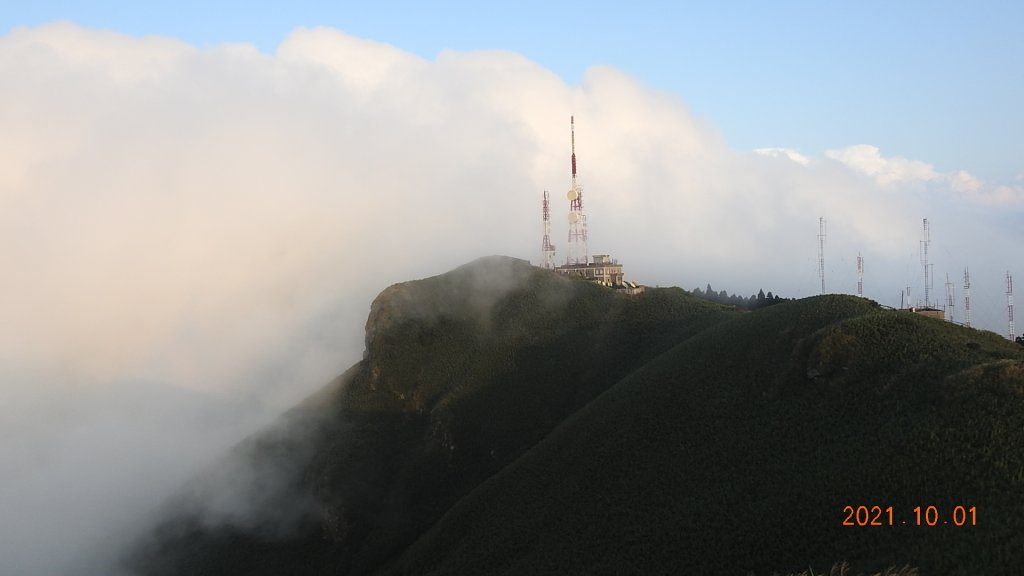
821	252
967	297
577	253
546	247
1009	304
926	239
860	275
950	299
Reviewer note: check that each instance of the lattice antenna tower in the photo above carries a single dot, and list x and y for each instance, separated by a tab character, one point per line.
546	247
950	299
821	252
860	275
577	253
1009	304
967	297
925	241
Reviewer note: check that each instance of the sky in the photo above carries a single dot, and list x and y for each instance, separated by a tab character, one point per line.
937	81
197	205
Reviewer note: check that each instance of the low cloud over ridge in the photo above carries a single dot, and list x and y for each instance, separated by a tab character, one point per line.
212	223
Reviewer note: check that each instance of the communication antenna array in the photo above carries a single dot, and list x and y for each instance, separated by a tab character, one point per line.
547	248
860	275
925	241
1009	304
950	299
967	297
577	253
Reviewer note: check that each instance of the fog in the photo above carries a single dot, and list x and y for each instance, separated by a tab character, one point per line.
191	237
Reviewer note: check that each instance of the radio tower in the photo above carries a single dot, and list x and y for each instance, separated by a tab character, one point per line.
546	247
967	297
925	240
950	299
821	252
1009	304
577	253
860	275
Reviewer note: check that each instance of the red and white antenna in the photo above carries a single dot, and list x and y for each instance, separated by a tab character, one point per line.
577	253
546	247
1009	304
860	275
967	297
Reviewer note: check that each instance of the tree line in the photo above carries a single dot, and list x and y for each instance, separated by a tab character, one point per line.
755	301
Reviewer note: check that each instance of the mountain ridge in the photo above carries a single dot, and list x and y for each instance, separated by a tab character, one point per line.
472	377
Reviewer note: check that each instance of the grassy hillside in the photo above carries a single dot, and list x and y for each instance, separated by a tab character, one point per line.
737	451
505	420
463	373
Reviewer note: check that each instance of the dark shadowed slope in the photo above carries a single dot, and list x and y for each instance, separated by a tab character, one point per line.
463	373
738	450
506	420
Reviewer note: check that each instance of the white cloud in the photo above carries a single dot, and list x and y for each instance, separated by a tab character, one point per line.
364	65
887	171
785	153
1004	196
964	182
976	190
895	171
216	220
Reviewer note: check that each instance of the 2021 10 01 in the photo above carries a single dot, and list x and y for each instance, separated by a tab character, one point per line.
919	516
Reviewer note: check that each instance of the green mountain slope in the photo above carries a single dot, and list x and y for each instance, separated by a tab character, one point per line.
507	420
463	373
738	450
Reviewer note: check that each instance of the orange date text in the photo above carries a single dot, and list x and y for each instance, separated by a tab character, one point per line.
919	516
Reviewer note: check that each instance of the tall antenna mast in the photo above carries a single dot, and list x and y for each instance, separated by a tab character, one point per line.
546	247
1009	304
860	275
925	241
821	252
967	297
950	299
578	253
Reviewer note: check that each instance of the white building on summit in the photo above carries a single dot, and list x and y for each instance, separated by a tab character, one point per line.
603	270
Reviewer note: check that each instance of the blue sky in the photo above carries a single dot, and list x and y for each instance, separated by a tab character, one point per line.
936	81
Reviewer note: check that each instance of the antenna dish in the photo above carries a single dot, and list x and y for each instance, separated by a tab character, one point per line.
572	194
573	217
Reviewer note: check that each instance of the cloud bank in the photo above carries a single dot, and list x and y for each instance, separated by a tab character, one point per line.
191	237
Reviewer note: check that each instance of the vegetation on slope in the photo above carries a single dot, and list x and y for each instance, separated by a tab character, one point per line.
738	450
463	373
505	420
